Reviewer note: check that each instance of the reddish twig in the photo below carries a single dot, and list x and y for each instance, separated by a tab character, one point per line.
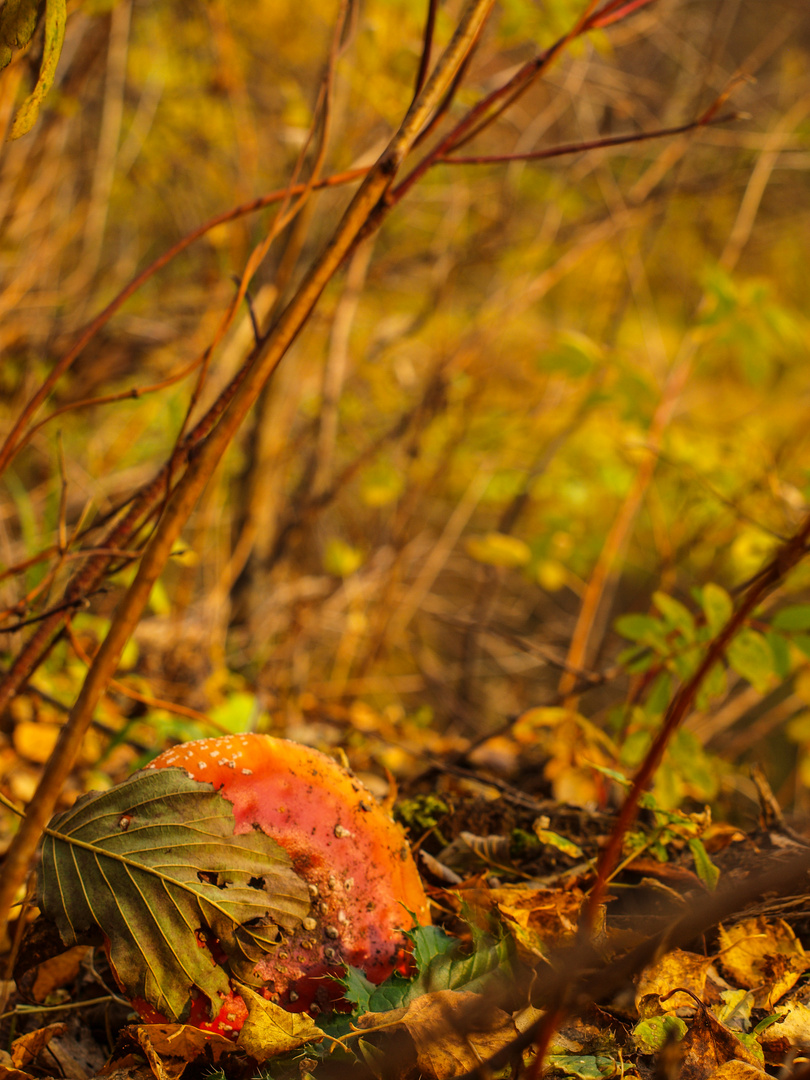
705	120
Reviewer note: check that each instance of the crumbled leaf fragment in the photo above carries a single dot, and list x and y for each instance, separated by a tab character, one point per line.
561	843
18	20
55	17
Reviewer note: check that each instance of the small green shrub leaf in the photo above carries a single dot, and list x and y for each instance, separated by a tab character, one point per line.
717	606
676	614
751	657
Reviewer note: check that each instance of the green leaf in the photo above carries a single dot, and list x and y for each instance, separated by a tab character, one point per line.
751	657
796	617
678	616
704	867
441	965
652	1034
780	647
636	627
153	862
712	687
357	989
55	17
584	1066
658	697
635	660
717	606
430	942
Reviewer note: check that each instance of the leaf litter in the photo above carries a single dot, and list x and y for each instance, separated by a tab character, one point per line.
730	1004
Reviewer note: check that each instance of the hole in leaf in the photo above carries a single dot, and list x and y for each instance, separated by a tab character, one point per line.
210	877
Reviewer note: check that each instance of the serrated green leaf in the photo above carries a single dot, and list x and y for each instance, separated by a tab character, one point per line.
441	965
750	657
357	989
796	617
151	864
428	943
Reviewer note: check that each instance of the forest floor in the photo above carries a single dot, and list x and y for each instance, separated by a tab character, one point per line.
696	968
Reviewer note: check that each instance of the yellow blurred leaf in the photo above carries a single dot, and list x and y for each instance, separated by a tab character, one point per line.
35	741
498	549
341	559
552	575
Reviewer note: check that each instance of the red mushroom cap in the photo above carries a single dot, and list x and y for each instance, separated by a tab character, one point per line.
362	878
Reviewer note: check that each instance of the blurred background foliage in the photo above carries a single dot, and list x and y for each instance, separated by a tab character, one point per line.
541	382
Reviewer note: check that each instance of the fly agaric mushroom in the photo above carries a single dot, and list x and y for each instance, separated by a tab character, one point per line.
362	879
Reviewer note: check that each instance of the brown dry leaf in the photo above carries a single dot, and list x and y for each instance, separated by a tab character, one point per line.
40	945
270	1030
78	1056
58	971
678	968
452	1032
15	1074
27	1048
538	919
707	1045
170	1048
763	957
